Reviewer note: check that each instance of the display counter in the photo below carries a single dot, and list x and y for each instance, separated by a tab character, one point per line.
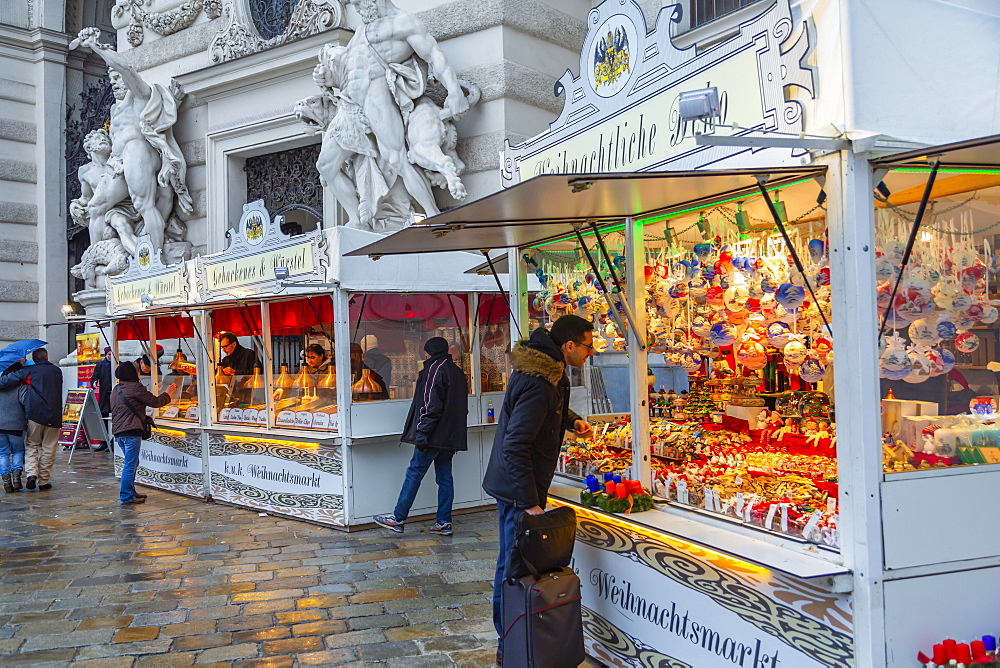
171	460
665	590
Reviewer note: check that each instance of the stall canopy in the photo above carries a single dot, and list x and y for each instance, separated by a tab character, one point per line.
982	153
167	327
552	206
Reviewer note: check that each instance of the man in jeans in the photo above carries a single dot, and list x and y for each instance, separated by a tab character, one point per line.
41	395
436	425
530	429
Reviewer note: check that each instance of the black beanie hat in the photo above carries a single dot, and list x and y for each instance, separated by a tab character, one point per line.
436	345
126	371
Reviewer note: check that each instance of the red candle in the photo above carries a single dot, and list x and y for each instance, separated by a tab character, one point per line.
949	649
635	486
609	487
963	654
940	656
978	648
622	490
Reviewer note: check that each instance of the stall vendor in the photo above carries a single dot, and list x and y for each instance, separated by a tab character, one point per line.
239	361
317	361
358	366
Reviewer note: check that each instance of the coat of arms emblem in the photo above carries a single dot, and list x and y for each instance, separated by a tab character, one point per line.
611	57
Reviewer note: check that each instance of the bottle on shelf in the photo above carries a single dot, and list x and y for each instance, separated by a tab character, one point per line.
490	415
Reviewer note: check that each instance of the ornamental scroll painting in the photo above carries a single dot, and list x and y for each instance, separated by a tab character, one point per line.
134	183
620	112
386	143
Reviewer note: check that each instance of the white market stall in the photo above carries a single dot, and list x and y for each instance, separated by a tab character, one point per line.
802	542
283	435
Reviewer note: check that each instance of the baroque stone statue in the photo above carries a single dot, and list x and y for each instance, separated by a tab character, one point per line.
385	142
136	176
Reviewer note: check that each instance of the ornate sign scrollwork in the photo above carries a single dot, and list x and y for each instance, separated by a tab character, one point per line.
256	248
620	113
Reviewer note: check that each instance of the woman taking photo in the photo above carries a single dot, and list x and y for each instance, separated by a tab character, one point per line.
128	413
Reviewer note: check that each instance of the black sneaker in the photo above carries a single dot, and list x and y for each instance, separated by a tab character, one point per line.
389	522
44	487
31	482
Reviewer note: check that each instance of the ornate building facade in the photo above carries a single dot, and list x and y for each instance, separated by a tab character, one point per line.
236	145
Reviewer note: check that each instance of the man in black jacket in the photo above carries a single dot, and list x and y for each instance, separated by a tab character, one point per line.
436	424
102	384
41	396
533	419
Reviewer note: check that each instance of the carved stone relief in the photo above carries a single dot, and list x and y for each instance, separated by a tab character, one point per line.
242	34
133	14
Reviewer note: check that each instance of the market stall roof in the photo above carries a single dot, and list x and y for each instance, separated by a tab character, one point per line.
981	153
551	206
499	264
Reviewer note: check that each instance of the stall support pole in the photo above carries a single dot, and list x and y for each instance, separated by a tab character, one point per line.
635	294
517	277
856	391
206	398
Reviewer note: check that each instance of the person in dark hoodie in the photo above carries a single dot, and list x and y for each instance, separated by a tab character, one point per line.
128	410
436	425
41	395
530	428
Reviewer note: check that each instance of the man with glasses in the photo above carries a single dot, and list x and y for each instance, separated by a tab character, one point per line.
530	428
238	361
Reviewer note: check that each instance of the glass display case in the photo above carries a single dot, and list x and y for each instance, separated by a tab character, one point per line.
238	381
304	376
939	322
388	332
172	342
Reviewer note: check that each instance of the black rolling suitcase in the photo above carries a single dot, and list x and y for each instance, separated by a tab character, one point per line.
544	626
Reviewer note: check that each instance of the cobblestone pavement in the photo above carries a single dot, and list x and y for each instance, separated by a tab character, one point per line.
88	582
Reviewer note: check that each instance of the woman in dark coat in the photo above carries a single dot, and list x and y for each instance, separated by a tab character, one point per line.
128	410
436	425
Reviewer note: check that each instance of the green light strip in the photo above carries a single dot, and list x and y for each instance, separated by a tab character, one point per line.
657	219
945	170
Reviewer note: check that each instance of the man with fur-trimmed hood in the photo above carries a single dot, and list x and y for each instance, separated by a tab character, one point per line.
530	430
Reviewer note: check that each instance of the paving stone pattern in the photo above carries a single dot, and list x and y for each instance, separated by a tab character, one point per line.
175	581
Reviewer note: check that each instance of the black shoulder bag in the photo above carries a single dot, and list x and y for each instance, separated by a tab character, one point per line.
542	543
147	422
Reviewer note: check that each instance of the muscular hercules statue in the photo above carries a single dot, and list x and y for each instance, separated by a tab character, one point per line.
145	165
384	131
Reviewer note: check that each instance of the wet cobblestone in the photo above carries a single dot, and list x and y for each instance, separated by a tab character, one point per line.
175	581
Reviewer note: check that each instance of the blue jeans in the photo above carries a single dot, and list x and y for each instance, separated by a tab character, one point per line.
11	453
419	464
506	514
130	449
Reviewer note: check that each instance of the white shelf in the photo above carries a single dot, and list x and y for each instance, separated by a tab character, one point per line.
797	561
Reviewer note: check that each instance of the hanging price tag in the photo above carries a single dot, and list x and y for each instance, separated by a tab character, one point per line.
771	512
682	491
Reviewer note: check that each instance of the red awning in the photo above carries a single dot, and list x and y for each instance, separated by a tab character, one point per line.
241	320
298	316
167	327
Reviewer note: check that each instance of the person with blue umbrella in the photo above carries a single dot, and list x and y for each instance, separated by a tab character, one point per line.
12	424
40	391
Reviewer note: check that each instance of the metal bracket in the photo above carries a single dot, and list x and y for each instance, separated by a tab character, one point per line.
808	143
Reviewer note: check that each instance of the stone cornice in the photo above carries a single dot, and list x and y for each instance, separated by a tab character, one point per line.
532	17
33	45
